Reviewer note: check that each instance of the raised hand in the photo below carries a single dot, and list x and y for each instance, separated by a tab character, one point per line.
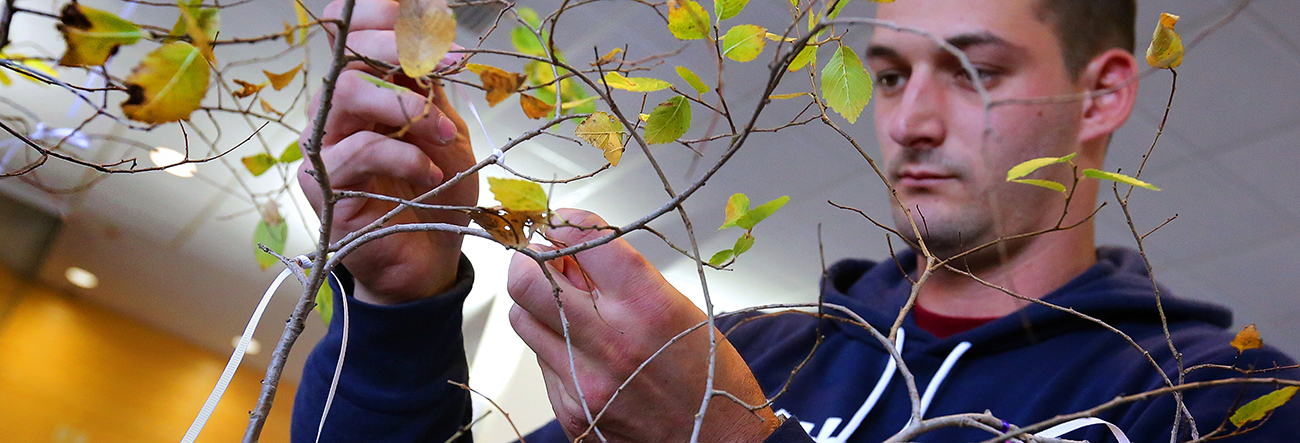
361	152
620	311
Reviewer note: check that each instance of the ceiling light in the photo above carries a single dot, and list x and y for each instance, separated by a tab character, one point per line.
254	347
162	157
81	277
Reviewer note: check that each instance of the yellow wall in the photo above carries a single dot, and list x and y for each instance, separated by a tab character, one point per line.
74	372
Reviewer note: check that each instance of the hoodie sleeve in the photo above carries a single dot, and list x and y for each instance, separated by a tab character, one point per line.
393	386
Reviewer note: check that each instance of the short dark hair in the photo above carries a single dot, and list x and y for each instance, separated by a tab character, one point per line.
1086	28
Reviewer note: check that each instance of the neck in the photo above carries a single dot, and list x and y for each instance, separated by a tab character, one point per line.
1031	268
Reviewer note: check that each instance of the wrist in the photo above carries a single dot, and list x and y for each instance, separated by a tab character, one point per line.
397	287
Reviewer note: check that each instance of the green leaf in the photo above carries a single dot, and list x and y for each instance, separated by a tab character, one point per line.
273	236
835	11
167	85
325	302
518	195
743	43
721	257
1258	408
688	21
92	36
726	9
806	56
258	164
668	121
743	243
208	19
1030	166
736	207
635	84
1112	176
291	153
762	212
845	85
692	79
1042	183
524	39
383	84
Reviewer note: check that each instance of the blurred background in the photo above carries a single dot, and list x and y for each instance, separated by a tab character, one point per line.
130	354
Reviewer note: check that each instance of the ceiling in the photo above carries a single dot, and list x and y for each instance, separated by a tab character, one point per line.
176	252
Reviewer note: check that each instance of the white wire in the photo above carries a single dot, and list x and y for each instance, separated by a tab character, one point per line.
496	151
233	364
338	368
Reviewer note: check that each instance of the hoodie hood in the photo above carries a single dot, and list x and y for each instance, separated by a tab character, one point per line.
1117	290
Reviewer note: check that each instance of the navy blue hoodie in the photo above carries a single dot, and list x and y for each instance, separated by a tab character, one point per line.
1026	367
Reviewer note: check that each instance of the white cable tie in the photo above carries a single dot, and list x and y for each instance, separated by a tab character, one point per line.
496	151
338	368
226	375
1063	428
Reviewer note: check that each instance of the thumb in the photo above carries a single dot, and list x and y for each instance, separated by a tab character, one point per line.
613	267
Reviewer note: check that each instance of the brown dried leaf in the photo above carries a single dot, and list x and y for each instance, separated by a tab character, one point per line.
246	89
534	107
498	83
279	81
512	228
1248	338
269	109
425	30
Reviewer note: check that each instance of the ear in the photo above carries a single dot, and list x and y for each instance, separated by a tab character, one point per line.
1110	82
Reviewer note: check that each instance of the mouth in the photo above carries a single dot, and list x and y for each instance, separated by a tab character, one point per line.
922	177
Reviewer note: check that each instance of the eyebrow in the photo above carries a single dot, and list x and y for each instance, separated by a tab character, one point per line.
963	42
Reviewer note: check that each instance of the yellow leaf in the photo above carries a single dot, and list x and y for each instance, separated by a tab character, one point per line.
643	117
258	164
777	37
288	32
603	131
92	35
576	103
279	81
1166	50
31	63
498	83
687	20
267	107
511	228
534	107
608	57
424	32
786	96
4	79
167	85
198	35
518	195
1248	338
246	89
635	84
304	20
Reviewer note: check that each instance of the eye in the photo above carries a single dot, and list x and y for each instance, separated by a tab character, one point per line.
987	76
890	80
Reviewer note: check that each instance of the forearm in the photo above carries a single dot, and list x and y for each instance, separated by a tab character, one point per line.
393	386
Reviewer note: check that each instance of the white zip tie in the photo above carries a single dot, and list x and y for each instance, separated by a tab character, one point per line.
233	364
496	152
338	368
1063	428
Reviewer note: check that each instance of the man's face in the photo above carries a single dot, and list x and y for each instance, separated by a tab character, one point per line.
931	123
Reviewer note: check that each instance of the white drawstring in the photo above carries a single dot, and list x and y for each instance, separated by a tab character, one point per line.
338	368
947	365
891	366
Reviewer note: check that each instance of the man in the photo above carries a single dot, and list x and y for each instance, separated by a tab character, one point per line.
971	347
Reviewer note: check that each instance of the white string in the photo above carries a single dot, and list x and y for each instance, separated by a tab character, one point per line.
233	364
1063	428
338	368
496	152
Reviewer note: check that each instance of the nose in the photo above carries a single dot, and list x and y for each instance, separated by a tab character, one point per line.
917	121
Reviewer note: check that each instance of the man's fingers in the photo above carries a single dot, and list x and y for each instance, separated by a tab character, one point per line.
360	105
615	267
375	44
366	155
366	14
532	291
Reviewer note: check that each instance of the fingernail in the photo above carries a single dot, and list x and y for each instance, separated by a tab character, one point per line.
446	130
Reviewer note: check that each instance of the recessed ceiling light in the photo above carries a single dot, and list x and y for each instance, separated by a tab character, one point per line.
254	347
162	157
81	277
